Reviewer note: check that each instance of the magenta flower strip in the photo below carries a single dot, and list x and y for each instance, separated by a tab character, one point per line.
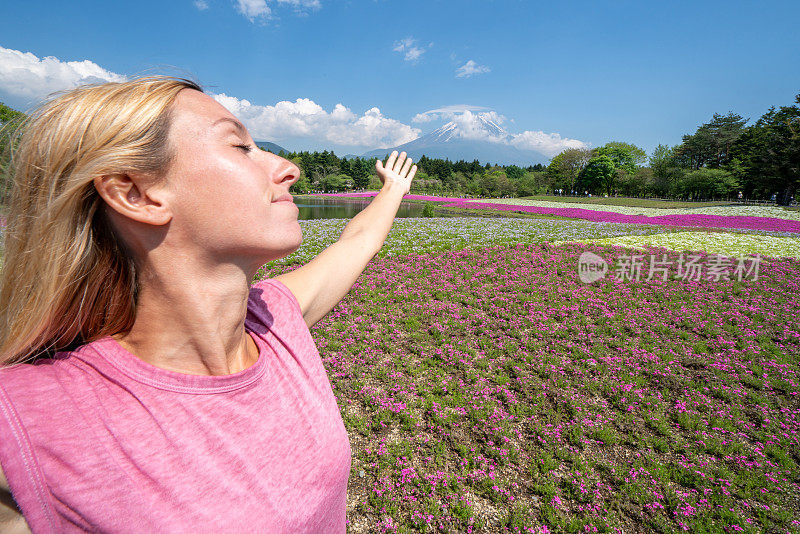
688	221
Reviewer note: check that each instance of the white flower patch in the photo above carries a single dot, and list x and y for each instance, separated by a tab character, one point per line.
731	244
775	212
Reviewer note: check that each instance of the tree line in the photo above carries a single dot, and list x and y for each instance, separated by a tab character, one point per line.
721	158
725	155
9	119
325	172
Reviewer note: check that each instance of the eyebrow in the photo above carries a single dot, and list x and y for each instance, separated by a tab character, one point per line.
238	125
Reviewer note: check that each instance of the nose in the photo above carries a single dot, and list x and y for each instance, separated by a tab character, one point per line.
287	172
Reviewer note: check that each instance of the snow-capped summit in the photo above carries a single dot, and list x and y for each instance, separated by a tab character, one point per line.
443	133
467	137
468	127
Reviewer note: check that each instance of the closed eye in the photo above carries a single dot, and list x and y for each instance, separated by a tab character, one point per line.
246	148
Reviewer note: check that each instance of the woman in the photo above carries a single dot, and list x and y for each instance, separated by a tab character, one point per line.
163	393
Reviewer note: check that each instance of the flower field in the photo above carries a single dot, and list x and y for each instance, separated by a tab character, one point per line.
485	388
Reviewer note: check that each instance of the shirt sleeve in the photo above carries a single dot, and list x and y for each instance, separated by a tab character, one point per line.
276	285
272	306
21	467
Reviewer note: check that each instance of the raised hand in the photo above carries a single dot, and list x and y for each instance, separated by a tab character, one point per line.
398	171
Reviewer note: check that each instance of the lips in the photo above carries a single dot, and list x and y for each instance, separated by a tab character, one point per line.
285	198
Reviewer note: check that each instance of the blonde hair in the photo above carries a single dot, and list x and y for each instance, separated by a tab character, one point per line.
66	278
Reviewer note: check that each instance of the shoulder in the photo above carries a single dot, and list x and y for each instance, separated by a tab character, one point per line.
272	307
35	379
273	291
272	304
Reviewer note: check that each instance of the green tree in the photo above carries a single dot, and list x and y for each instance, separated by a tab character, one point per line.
457	182
344	167
706	183
505	187
488	183
514	173
375	183
8	114
529	185
360	173
565	167
666	170
623	155
598	176
634	185
441	168
423	183
303	184
766	157
336	182
9	121
711	144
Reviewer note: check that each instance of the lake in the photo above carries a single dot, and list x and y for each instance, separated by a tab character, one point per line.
346	208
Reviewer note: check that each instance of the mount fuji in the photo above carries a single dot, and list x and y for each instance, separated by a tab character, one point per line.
480	139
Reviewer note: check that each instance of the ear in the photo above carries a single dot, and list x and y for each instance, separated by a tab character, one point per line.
128	196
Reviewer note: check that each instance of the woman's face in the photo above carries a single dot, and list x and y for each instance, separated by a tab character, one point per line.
227	197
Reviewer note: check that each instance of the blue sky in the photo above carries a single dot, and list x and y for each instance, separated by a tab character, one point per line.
555	74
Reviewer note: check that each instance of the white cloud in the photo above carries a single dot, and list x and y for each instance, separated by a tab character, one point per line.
258	9
422	117
471	68
253	9
302	4
446	112
548	144
304	118
202	5
408	47
24	75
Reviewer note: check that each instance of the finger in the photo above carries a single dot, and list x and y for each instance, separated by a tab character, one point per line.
412	173
378	165
399	163
390	160
406	166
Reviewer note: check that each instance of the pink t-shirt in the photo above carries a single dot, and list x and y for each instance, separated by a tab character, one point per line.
97	439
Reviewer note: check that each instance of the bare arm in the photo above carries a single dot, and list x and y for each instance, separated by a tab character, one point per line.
321	283
11	520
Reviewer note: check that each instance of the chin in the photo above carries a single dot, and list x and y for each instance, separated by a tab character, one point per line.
284	252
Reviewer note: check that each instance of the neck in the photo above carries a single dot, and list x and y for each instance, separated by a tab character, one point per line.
192	321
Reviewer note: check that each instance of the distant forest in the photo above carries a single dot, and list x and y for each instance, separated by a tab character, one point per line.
721	158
